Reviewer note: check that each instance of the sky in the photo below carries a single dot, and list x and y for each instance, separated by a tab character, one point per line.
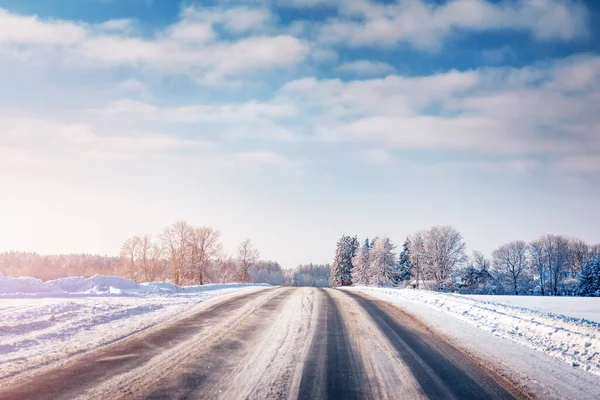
293	122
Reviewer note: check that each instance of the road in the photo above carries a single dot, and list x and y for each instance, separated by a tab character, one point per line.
305	343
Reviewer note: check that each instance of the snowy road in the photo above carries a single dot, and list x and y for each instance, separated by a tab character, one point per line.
276	343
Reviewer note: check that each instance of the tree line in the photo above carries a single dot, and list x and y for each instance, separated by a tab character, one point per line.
185	254
48	267
435	258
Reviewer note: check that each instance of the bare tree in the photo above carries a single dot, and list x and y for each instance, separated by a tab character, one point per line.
205	246
550	256
440	249
247	256
175	242
560	257
227	269
128	254
539	262
580	251
511	260
149	258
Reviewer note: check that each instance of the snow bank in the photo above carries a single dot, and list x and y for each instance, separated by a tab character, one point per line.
574	340
99	284
41	323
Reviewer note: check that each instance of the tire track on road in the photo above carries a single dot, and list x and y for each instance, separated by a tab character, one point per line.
441	370
72	379
331	369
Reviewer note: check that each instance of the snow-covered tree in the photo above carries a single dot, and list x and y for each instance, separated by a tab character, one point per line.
511	261
341	270
360	272
404	266
551	256
589	279
440	250
383	263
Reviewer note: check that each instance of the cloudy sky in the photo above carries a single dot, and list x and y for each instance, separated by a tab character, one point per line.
293	122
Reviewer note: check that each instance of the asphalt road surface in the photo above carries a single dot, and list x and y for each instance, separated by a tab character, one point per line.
275	343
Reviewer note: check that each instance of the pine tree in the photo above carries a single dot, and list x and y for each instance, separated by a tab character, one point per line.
360	273
341	270
382	263
469	276
404	265
589	279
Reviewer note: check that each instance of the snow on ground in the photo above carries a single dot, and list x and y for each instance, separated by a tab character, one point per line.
575	307
574	340
44	322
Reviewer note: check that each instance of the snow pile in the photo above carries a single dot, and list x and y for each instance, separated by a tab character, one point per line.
98	284
41	323
574	340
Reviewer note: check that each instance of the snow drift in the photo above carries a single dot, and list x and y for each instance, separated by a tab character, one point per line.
99	284
574	340
44	322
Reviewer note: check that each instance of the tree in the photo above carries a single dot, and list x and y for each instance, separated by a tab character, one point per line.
404	266
341	270
310	275
382	263
551	255
267	272
539	262
511	261
176	241
440	250
589	280
128	254
580	252
559	254
149	256
360	272
247	257
205	246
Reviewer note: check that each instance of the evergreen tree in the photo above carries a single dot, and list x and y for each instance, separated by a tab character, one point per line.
404	265
469	276
341	270
383	262
589	279
360	273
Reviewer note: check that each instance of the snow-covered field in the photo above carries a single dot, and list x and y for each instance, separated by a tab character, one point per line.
547	325
45	322
574	307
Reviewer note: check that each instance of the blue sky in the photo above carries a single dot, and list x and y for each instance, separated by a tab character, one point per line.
293	122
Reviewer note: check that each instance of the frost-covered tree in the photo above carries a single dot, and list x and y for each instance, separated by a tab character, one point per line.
440	250
310	275
580	252
551	256
510	260
383	263
404	265
589	279
341	270
247	257
360	272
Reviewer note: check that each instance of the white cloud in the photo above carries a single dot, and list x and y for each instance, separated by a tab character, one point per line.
27	30
189	46
45	139
376	156
548	110
426	26
117	25
366	67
